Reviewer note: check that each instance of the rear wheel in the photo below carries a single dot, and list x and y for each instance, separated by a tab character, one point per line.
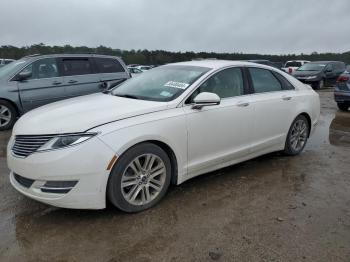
140	178
297	136
8	115
343	106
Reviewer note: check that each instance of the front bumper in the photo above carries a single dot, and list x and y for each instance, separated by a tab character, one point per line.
86	164
312	82
342	96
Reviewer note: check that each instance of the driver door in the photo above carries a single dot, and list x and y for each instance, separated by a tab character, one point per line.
44	86
219	134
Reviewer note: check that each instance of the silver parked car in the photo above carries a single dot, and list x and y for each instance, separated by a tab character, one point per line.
37	80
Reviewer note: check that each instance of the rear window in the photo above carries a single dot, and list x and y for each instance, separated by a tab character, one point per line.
76	66
108	65
264	81
293	64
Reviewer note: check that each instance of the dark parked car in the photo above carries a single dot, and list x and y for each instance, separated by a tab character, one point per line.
342	90
37	80
319	74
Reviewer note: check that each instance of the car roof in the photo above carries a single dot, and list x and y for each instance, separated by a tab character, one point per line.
67	55
325	62
297	61
215	64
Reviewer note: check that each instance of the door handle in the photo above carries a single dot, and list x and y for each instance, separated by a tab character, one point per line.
286	98
56	83
242	104
72	81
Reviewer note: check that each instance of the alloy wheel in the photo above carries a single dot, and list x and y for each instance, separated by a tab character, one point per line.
321	84
143	179
298	135
5	115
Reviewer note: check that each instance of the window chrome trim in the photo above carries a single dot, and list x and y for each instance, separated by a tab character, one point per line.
10	79
183	104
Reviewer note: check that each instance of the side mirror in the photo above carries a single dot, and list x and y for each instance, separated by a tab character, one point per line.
24	75
205	99
329	70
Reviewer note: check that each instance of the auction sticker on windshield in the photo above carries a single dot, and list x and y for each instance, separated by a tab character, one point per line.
176	84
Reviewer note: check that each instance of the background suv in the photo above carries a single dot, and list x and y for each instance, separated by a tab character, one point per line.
318	74
37	80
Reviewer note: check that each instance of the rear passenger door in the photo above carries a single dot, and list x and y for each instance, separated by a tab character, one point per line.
274	103
111	71
80	76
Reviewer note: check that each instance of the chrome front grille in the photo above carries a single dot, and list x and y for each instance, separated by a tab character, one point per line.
26	145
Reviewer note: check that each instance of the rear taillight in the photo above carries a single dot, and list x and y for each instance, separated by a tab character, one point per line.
290	70
342	79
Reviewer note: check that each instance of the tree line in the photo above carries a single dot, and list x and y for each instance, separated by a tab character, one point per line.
160	57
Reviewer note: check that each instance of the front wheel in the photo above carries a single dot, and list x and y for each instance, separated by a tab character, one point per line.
140	178
320	84
297	136
343	106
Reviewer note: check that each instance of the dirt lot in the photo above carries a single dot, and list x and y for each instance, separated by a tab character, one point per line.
273	208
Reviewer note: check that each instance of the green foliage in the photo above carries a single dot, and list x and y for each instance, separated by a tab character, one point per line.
159	57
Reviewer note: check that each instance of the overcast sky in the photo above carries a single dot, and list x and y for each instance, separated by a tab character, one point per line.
248	26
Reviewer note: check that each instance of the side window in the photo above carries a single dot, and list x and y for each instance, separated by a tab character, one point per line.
264	81
329	67
226	83
43	68
108	65
76	66
286	85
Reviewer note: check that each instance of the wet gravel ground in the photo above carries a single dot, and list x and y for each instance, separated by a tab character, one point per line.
273	208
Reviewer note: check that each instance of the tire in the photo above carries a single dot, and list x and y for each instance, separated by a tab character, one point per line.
343	107
8	115
297	136
320	84
132	197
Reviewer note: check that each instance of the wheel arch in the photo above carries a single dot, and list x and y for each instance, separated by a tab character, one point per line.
13	104
308	118
171	154
168	150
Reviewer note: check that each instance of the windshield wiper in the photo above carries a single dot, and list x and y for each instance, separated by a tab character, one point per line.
128	96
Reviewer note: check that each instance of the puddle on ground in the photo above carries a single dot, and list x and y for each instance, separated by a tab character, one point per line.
332	129
339	130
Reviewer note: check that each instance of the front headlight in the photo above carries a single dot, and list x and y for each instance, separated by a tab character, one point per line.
62	141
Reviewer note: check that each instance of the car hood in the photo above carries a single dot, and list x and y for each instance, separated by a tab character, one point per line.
306	73
82	113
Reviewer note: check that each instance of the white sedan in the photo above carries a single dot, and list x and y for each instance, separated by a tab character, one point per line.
166	126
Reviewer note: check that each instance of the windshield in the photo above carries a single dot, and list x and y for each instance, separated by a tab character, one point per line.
293	64
160	84
311	67
11	68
